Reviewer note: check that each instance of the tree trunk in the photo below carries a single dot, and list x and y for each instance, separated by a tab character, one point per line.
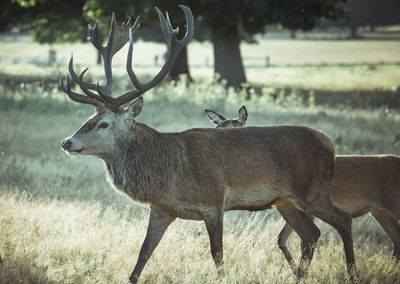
372	28
98	60
181	67
227	59
353	29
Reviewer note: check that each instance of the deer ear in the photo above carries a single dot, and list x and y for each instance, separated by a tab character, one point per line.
215	117
135	108
242	114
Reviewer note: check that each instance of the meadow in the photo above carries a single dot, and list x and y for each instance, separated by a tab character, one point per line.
60	222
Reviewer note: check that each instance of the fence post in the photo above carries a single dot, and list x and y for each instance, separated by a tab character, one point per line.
52	56
267	62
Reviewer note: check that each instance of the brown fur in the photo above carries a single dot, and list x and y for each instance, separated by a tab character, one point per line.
316	203
360	185
200	173
365	184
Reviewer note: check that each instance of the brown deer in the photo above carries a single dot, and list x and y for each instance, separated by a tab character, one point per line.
221	122
360	185
198	174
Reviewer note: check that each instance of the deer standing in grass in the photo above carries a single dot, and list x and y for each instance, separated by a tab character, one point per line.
360	185
198	174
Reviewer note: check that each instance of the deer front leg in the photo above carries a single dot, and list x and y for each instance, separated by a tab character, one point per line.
214	225
158	223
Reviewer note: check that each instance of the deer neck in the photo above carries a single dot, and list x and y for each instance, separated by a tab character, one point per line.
140	165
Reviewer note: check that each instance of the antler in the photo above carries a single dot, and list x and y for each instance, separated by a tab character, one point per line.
174	47
117	39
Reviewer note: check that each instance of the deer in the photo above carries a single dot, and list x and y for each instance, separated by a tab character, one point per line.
361	184
222	122
200	173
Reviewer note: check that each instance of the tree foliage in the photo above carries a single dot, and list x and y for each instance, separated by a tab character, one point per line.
48	20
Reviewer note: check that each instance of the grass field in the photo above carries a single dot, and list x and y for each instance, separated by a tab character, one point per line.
60	222
344	65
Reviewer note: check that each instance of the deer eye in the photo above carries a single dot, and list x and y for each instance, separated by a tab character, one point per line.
103	125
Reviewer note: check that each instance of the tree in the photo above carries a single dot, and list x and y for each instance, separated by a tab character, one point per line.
373	13
305	15
9	14
231	21
49	21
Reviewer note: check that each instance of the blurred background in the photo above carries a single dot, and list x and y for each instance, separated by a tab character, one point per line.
336	48
329	64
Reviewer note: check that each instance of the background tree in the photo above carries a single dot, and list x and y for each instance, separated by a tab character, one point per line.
234	20
373	13
228	22
305	15
49	21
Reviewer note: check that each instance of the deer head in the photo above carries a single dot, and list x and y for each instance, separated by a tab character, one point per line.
221	122
112	116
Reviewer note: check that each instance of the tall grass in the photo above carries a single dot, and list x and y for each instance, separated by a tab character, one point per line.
60	222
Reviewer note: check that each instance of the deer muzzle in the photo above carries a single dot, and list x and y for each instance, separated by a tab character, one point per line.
69	146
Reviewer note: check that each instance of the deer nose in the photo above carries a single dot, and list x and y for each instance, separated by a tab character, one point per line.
66	144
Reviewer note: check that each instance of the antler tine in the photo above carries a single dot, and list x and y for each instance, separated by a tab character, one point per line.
117	38
106	98
189	25
132	75
174	47
94	36
86	90
75	96
75	77
103	98
166	27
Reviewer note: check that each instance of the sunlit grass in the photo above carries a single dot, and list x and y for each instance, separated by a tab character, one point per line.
291	60
48	241
337	78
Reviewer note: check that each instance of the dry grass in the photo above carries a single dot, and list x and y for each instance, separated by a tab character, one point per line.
53	241
60	222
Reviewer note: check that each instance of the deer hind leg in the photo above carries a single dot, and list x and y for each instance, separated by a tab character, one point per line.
391	226
158	224
320	205
214	224
303	224
282	239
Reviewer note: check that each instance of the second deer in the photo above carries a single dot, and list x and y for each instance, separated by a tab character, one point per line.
361	184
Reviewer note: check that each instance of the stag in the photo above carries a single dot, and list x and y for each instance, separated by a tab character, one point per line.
198	174
360	185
